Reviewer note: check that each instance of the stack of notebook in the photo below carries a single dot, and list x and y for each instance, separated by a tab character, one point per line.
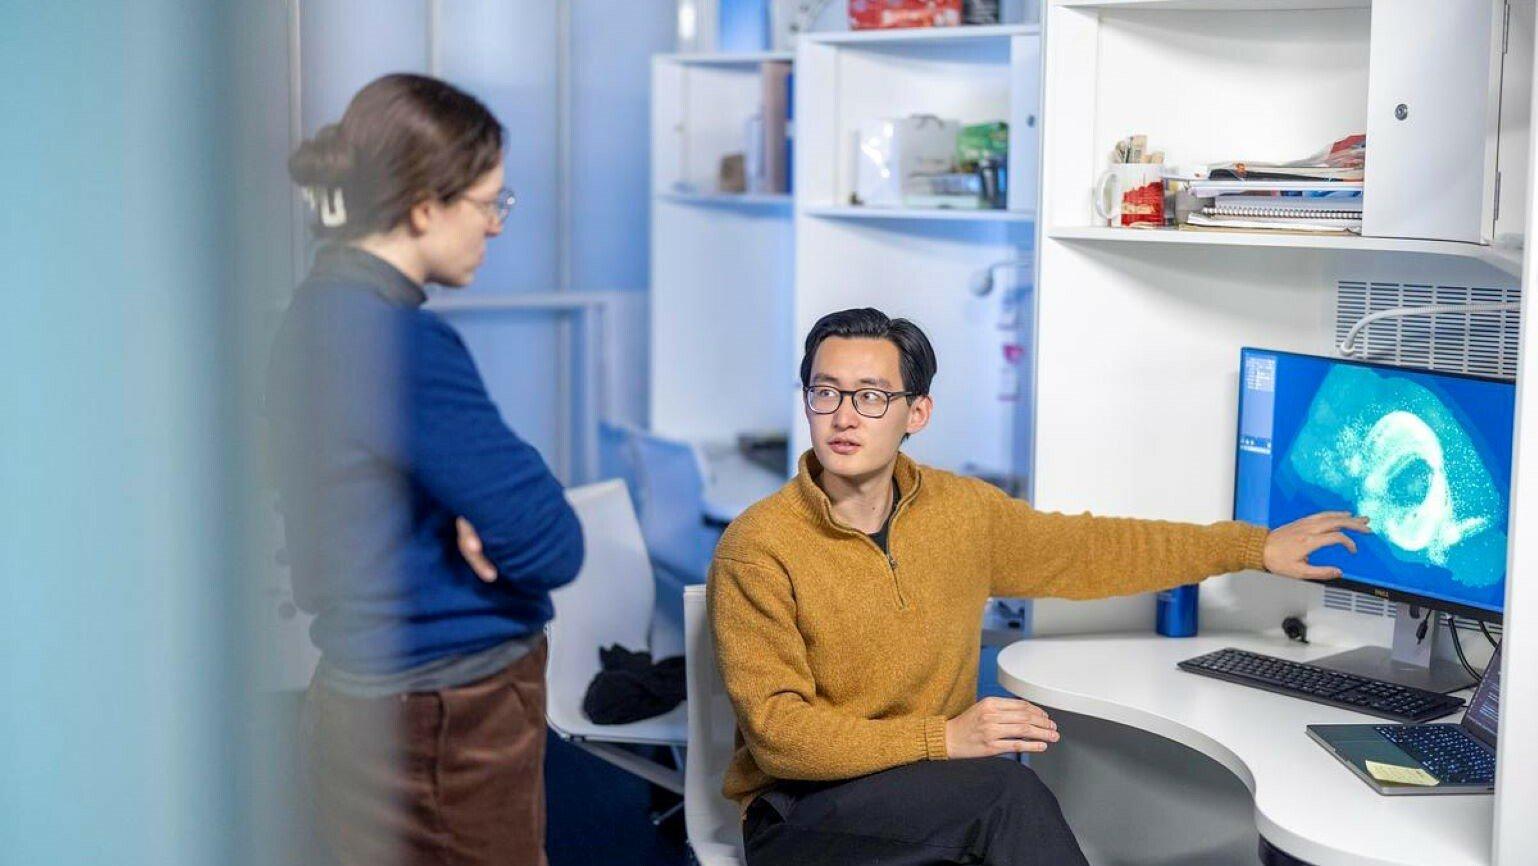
1320	207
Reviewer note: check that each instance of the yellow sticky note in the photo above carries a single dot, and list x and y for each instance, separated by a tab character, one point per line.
1401	775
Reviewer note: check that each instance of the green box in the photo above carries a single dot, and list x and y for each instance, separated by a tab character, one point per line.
980	141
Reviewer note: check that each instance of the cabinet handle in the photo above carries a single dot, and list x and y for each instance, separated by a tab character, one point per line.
1401	111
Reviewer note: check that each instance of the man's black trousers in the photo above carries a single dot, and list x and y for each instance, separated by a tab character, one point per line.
983	811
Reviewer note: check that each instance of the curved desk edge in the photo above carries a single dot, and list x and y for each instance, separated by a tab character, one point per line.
1111	705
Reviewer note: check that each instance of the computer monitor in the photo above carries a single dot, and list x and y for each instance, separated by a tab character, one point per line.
1426	456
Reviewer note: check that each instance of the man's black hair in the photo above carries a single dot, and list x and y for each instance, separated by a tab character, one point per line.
916	358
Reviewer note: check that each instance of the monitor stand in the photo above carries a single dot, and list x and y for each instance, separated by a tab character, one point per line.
1409	663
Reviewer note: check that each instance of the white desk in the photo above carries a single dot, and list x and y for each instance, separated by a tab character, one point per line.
733	482
1306	803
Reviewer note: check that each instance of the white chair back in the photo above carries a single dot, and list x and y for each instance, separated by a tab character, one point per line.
610	602
712	822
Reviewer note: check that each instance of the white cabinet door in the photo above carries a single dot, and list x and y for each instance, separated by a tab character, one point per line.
1024	121
1433	95
1516	121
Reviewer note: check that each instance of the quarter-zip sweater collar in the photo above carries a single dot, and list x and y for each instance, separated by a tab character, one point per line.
814	503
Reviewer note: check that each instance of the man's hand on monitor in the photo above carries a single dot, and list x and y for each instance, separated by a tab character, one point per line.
999	726
1288	547
470	549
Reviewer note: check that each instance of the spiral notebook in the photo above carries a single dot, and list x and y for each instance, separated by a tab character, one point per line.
1264	211
1320	206
1293	221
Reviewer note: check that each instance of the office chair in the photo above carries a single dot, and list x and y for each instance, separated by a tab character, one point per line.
610	602
671	475
617	457
711	821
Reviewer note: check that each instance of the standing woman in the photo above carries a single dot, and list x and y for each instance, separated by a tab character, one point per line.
424	535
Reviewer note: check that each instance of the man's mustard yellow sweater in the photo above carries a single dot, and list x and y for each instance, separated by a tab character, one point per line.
842	662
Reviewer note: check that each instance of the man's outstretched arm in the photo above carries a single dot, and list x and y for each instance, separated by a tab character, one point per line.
1082	556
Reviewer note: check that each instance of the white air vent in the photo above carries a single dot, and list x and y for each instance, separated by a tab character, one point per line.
1482	344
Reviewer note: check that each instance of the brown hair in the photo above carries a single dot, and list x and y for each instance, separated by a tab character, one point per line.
403	139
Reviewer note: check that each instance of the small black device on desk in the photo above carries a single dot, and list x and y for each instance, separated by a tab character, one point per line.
1322	685
1447	759
770	450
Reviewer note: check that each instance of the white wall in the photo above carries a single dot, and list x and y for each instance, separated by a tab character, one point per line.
1516	834
509	54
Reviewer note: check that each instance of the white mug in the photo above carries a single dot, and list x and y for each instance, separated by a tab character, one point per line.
1129	193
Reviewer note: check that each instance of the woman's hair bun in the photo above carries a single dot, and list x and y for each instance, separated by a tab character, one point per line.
403	139
323	161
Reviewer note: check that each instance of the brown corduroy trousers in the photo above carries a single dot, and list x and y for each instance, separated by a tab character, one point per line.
449	778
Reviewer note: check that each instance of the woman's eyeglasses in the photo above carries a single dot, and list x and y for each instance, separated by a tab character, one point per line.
499	207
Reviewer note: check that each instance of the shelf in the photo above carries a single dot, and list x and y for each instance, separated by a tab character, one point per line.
922	34
1503	258
728	199
1216	5
856	212
750	58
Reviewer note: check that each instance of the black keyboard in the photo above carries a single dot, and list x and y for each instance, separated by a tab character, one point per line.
1322	685
1445	751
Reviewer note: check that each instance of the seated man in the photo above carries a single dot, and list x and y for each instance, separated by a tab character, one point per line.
847	611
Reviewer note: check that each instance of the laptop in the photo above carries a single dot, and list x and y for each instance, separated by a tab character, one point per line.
1425	759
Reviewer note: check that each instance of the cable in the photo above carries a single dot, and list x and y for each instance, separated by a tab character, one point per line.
1348	345
1486	632
1458	648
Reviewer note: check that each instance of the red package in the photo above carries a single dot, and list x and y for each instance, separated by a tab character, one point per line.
886	14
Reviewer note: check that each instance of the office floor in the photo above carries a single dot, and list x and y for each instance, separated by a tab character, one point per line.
599	814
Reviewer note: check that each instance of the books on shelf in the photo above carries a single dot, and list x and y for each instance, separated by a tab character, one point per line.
1259	207
1292	204
1327	225
1333	211
1214	188
1321	194
774	150
1342	161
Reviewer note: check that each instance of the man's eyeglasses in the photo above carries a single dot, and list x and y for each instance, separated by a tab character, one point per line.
499	207
870	402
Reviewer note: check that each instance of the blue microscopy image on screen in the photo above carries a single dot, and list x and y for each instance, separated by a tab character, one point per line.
1428	459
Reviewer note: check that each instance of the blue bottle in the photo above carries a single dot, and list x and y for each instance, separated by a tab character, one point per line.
1175	614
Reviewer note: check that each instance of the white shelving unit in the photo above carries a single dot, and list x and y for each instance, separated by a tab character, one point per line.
729	199
912	262
1139	331
852	212
929	35
745	58
722	263
1279	79
1506	259
1151	321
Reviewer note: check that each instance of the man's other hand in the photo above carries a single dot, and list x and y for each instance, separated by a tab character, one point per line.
1288	547
998	726
470	549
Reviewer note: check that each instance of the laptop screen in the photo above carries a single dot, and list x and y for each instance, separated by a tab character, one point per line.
1484	709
